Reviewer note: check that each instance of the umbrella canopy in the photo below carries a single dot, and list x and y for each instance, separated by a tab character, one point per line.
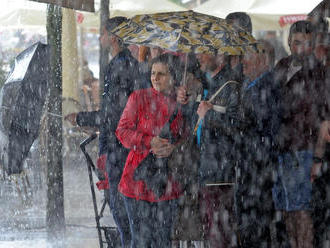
321	10
21	102
185	32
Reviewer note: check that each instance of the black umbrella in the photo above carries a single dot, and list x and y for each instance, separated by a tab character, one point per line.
322	10
21	102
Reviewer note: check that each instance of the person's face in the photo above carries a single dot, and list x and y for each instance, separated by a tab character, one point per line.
105	39
301	45
250	65
207	62
161	78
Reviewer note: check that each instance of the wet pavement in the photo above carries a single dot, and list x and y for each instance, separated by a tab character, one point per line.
23	206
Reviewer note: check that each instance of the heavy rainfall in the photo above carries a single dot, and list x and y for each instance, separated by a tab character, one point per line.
165	124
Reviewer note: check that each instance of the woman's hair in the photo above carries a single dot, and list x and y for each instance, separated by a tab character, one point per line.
173	63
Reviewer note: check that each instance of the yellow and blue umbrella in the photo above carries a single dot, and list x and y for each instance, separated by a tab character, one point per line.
186	32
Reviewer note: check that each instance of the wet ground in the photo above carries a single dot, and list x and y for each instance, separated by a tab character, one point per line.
23	206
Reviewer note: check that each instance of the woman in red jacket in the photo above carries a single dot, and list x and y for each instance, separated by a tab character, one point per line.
145	114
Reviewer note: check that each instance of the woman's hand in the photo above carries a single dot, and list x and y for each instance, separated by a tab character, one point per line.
161	147
203	108
181	95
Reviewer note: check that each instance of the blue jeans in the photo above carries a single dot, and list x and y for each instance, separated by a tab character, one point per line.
292	190
150	222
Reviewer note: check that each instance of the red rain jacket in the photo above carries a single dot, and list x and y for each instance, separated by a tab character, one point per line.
143	118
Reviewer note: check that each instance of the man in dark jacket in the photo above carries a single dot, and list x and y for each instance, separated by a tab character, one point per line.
254	174
302	108
300	43
122	77
120	81
217	124
217	136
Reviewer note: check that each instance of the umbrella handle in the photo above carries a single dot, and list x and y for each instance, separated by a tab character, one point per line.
185	70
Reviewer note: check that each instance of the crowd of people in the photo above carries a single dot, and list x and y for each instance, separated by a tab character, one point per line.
260	130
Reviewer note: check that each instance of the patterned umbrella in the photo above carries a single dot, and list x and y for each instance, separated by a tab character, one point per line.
186	32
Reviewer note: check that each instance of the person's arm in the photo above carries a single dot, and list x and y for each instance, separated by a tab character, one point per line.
95	95
127	131
90	119
84	119
323	138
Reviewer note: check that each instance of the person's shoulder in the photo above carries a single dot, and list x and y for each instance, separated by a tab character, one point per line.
268	84
126	56
141	92
232	85
141	96
319	70
122	57
296	79
223	75
267	77
284	62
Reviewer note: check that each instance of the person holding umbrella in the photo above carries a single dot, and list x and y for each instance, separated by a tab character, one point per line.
216	135
216	163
